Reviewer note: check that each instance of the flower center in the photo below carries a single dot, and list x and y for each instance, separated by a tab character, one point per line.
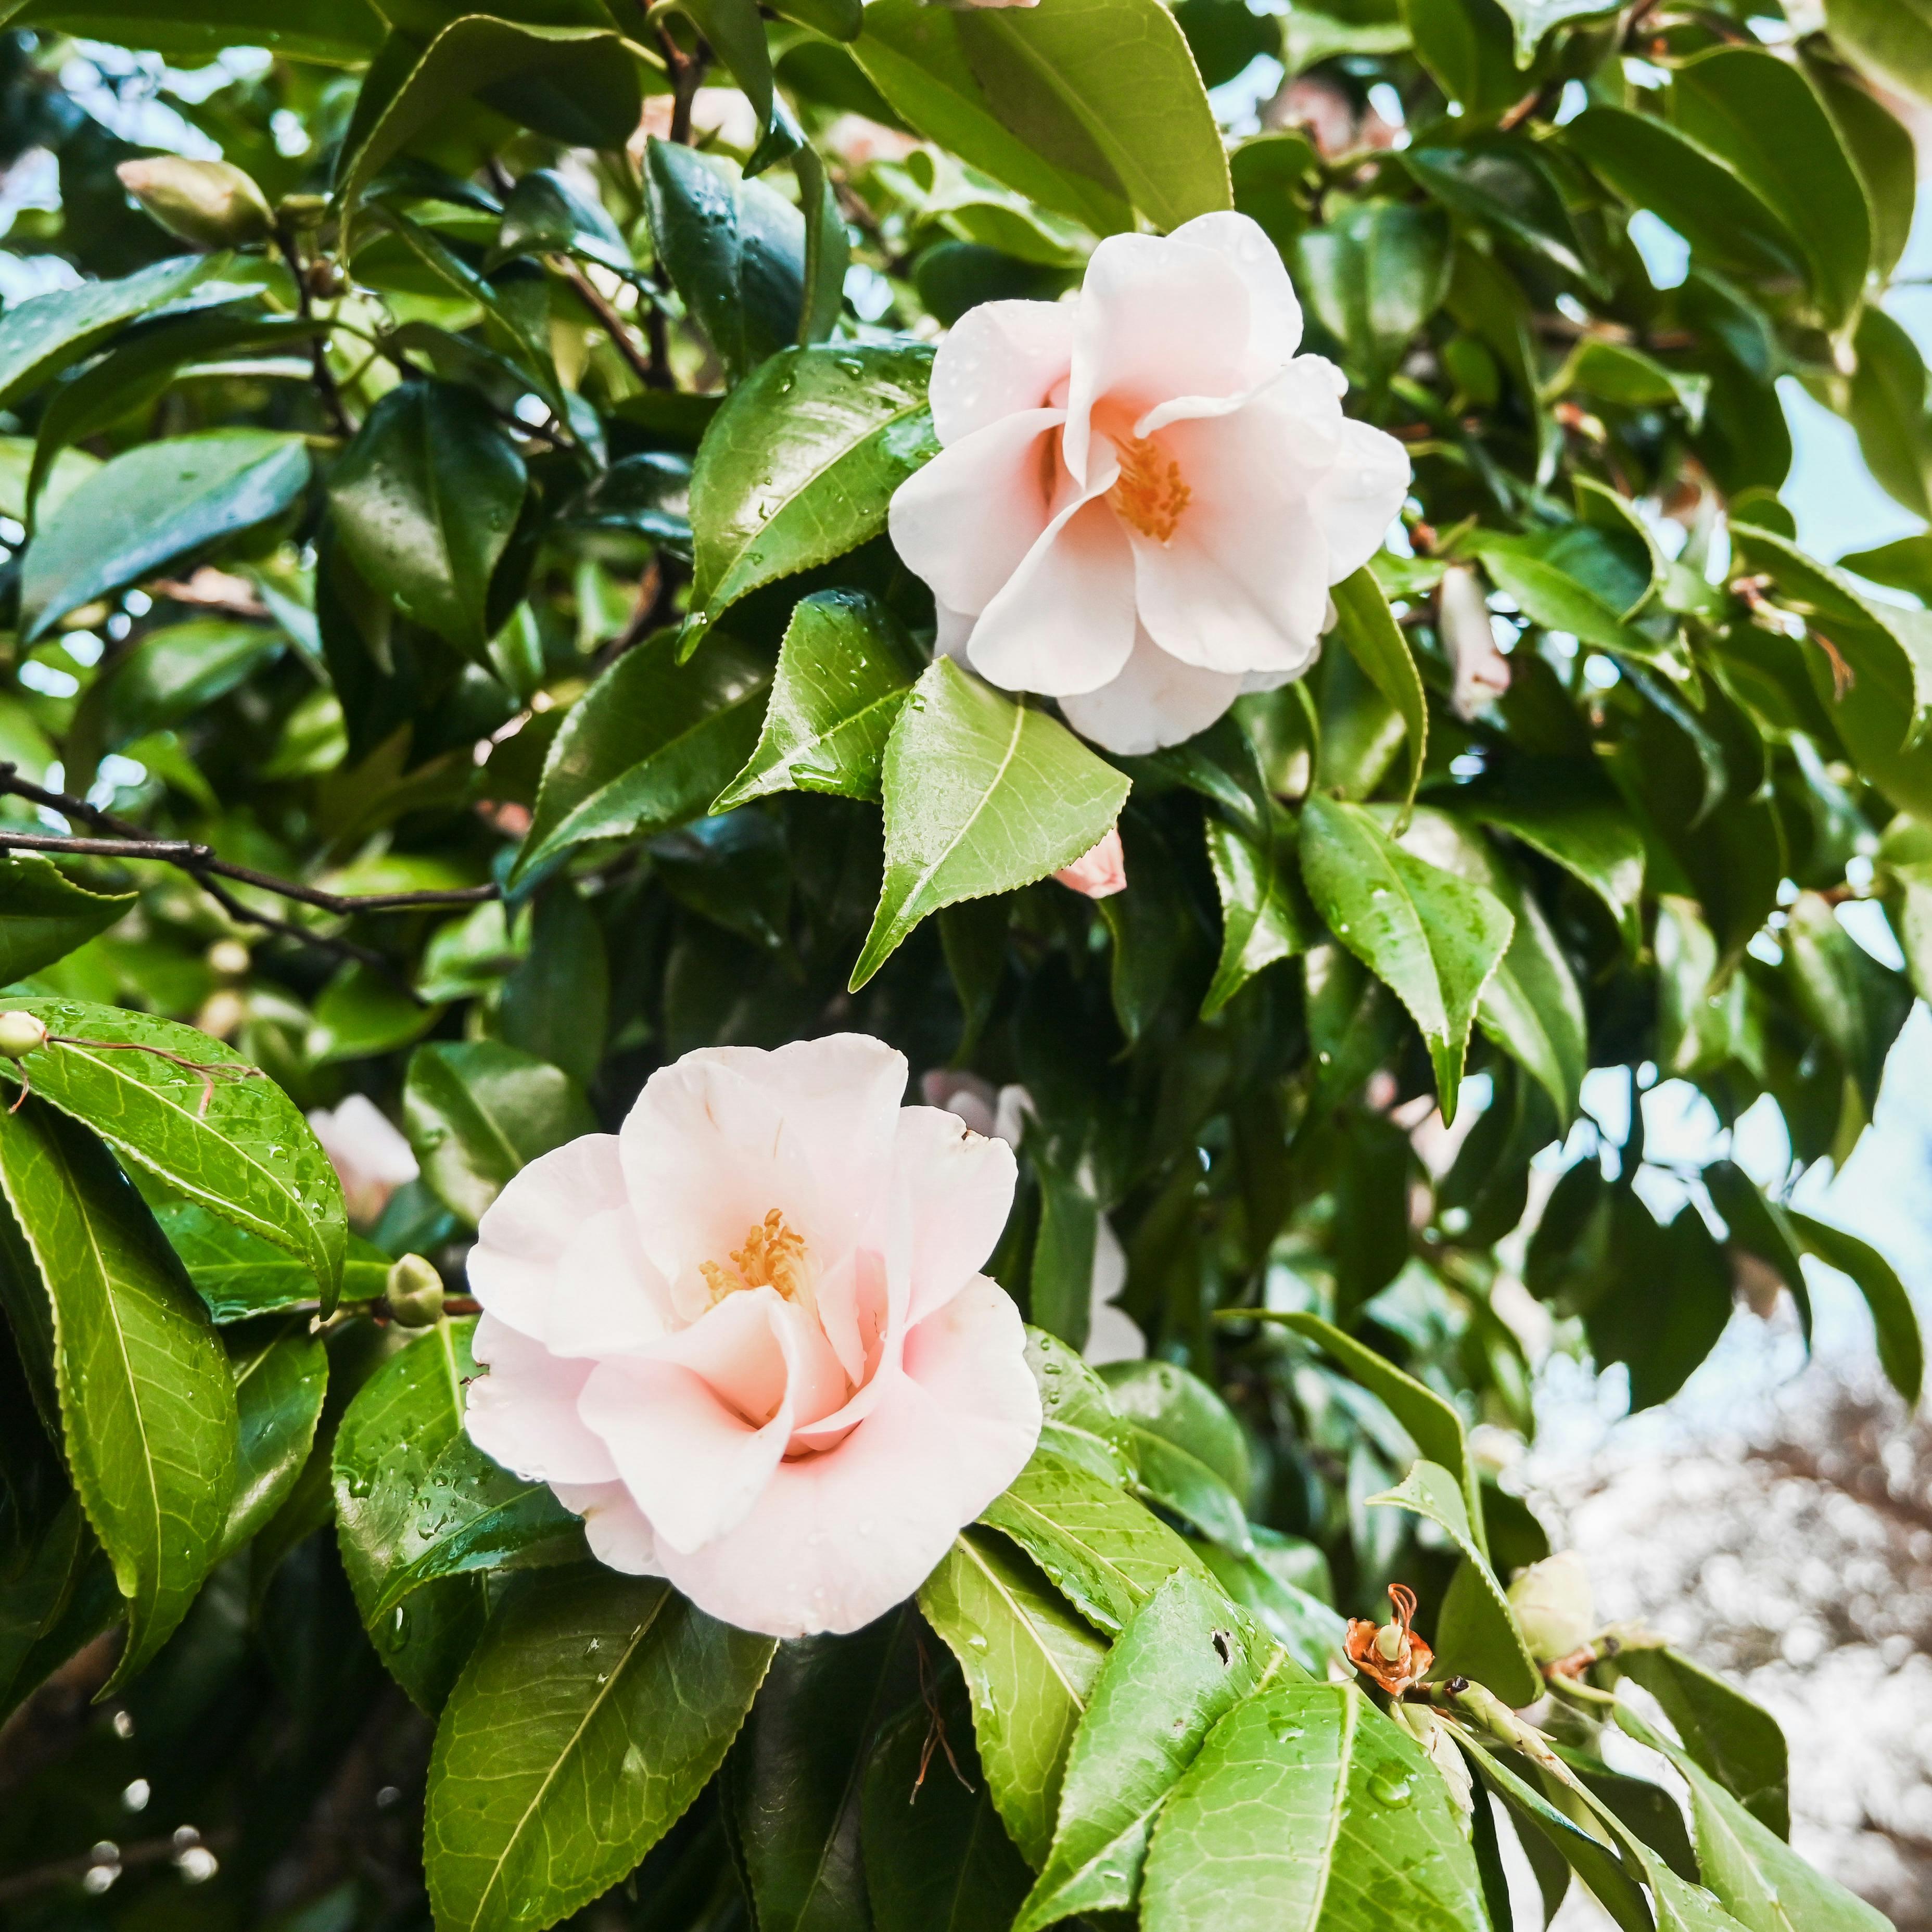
1149	493
773	1256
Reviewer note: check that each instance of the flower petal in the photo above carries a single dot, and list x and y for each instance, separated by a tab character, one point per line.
960	1185
1363	496
1276	328
718	1139
1065	620
1156	701
523	1413
525	1230
997	359
607	1299
1158	318
966	521
615	1529
838	1539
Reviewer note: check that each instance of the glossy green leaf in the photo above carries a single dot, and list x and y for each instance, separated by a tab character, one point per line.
1370	630
230	1139
1507	187
338	32
1901	1346
575	84
1467	47
1760	1226
1477	1635
476	1111
1289	1820
1534	19
424	500
174	671
1433	939
1372	277
281	1375
1264	1583
648	746
1571	813
415	1499
238	1274
1265	915
41	336
44	915
1889	410
1191	1455
547	211
147	1404
1763	117
982	795
1104	1551
1892	37
156	504
1030	1666
734	250
595	1709
795	1778
1182	1664
844	671
1080	1423
1548	586
799	466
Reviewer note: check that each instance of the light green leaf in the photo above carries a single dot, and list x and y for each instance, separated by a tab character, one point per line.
476	1111
239	1274
1887	409
1080	1423
1433	939
1373	276
844	671
799	466
44	915
1370	630
424	500
1182	1664
1265	915
1308	1810
147	1403
157	503
41	336
1105	1553
1901	1347
1892	37
1477	1635
281	1375
1763	117
231	1139
1564	580
648	746
1030	1665
982	795
1192	1456
415	1499
733	249
1308	1627
595	1708
337	33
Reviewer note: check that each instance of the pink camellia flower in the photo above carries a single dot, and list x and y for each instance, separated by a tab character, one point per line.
1142	496
370	1157
746	1338
1100	873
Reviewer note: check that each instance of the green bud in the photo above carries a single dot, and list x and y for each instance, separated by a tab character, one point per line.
20	1033
1555	1607
209	204
413	1293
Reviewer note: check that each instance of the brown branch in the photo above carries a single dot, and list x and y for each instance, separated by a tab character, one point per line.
324	377
613	324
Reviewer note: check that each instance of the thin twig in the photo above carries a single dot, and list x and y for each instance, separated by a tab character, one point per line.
324	376
613	324
148	1851
197	859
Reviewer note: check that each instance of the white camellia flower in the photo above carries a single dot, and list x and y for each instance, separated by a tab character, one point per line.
746	1338
370	1157
1143	496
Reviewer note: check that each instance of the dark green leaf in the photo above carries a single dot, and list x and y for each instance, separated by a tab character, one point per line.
281	1375
1371	633
1901	1348
1265	915
1192	1456
156	504
147	1403
476	1111
1372	277
982	795
844	670
44	915
595	1709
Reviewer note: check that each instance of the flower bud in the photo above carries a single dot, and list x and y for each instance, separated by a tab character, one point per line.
1100	873
208	204
20	1033
1555	1608
413	1293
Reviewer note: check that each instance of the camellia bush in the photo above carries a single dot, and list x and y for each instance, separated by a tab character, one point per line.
811	820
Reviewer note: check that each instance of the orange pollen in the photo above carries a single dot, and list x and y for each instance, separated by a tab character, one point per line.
1150	493
773	1256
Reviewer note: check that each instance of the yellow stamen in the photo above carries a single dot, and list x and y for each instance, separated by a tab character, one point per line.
1150	493
773	1256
